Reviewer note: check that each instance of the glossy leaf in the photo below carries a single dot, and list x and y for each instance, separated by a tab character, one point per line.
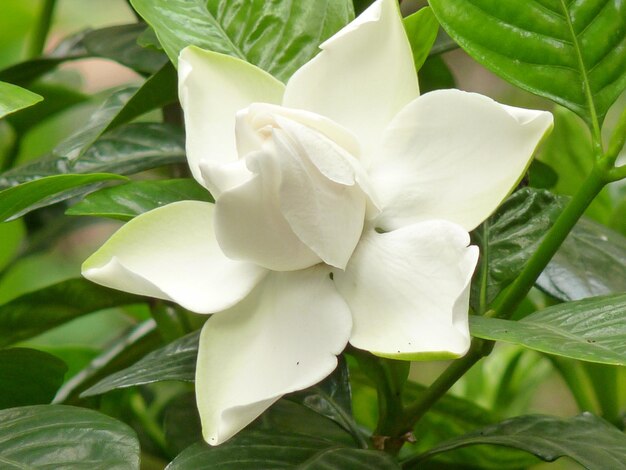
176	361
435	75
591	330
126	150
587	439
357	459
129	200
126	349
181	422
55	436
292	30
33	313
508	239
590	262
29	377
20	199
249	450
13	98
331	397
421	29
119	43
565	51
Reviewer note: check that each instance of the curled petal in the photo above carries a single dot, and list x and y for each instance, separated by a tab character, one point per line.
453	155
284	337
363	75
171	253
212	88
408	291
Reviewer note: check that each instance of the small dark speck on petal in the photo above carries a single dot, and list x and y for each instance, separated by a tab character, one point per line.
331	276
298	363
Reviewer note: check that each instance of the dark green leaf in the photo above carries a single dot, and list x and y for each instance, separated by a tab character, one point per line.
252	450
157	91
119	43
421	29
591	330
181	422
176	361
354	459
20	199
541	175
587	439
29	377
55	436
38	311
292	30
559	49
23	73
507	240
129	347
13	98
435	75
125	150
331	397
590	262
129	200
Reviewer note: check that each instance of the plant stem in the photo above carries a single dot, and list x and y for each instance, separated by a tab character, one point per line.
505	305
42	27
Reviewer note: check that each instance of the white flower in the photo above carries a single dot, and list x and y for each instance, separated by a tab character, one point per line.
343	202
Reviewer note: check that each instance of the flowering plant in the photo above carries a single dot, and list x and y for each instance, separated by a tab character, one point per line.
337	221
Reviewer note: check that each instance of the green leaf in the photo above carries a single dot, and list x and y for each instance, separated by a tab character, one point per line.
508	239
252	449
587	439
150	146
330	398
181	422
21	199
435	75
589	263
129	200
176	361
38	311
573	52
126	150
421	29
23	73
13	98
356	459
29	377
119	43
292	29
126	349
591	330
55	436
569	149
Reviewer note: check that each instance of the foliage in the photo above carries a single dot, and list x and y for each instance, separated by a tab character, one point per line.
70	402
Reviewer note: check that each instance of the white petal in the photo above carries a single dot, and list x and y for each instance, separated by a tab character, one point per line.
362	77
250	225
212	88
171	253
318	194
282	338
453	155
408	291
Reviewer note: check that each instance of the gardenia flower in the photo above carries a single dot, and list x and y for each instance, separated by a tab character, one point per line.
343	205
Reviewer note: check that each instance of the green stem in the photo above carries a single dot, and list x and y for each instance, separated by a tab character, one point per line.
618	173
42	27
148	424
618	139
604	380
505	305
